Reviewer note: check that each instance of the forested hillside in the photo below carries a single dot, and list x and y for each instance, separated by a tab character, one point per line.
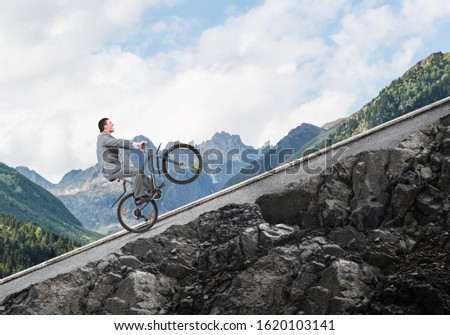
23	199
23	244
425	83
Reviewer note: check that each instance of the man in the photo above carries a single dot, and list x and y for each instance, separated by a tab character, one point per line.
110	165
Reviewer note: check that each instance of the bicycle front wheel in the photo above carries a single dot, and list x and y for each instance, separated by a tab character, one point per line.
136	218
182	163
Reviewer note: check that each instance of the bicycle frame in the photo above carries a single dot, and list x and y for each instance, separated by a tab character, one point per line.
148	161
181	164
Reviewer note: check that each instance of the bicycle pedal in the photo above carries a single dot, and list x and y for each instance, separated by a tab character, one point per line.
162	186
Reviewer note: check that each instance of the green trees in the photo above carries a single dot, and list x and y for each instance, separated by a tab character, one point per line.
23	244
426	82
23	199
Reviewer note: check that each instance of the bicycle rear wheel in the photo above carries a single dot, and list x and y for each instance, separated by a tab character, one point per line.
182	163
136	218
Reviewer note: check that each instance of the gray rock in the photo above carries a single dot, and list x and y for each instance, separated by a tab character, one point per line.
139	290
286	207
319	300
333	250
444	180
130	261
116	306
369	178
343	280
368	215
428	202
380	259
403	198
334	197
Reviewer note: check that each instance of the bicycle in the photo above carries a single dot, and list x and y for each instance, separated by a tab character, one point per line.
181	164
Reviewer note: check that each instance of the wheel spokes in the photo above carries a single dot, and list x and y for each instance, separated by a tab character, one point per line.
137	218
182	163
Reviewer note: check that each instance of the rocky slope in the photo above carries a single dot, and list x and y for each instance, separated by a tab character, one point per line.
369	236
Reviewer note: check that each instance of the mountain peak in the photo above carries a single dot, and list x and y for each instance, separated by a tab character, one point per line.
70	176
305	126
331	124
298	136
220	136
222	133
35	177
431	60
224	141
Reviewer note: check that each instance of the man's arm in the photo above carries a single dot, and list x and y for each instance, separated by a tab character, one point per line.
108	141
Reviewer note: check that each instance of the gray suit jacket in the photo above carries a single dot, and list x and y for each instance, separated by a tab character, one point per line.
108	152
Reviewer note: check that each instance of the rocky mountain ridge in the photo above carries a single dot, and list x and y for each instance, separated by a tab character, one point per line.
225	152
368	237
278	154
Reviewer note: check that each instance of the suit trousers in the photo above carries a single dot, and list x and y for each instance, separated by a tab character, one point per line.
141	182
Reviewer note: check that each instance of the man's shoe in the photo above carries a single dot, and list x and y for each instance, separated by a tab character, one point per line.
143	199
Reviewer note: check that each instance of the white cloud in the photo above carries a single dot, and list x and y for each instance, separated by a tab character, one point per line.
64	65
37	37
329	106
422	14
171	29
403	58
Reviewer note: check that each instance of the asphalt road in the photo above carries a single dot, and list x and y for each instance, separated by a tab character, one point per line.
385	136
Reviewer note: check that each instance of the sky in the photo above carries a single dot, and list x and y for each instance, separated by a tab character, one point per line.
185	69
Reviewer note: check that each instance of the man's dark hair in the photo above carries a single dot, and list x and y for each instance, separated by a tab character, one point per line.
101	124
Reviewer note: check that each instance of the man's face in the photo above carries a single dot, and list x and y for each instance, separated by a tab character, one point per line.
109	126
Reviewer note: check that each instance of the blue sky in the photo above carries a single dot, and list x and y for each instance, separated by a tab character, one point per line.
191	17
185	69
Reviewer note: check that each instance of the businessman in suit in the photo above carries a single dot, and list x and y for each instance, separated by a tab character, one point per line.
112	168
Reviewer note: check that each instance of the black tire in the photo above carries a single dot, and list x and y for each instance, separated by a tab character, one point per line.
189	167
134	218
